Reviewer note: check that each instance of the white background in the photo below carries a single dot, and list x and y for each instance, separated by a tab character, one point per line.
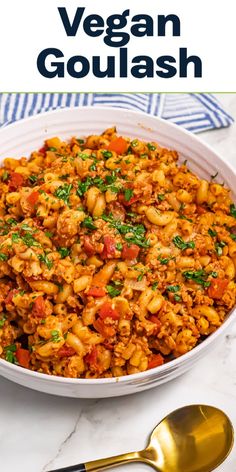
27	27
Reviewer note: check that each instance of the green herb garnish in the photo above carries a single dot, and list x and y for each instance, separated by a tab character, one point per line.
10	353
2	321
173	288
128	194
181	244
232	210
219	247
63	251
107	154
119	246
177	297
151	147
154	286
88	223
5	176
44	258
3	257
63	192
113	291
212	233
199	277
56	338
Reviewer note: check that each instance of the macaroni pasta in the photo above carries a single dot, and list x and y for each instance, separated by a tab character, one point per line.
114	258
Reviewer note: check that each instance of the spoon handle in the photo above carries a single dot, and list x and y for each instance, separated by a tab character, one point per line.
101	464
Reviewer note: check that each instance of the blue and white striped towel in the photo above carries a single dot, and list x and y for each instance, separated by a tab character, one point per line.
195	112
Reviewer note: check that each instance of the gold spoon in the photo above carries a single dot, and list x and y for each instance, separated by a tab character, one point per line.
195	438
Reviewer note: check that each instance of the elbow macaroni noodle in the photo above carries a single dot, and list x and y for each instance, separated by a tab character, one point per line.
114	258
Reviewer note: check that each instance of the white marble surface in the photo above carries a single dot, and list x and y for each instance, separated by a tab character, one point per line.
40	432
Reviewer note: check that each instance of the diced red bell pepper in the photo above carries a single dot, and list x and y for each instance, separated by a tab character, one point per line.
106	311
66	351
88	246
109	247
9	297
96	292
155	361
23	357
92	357
43	150
130	252
104	330
33	198
217	288
155	320
118	145
16	180
201	210
38	309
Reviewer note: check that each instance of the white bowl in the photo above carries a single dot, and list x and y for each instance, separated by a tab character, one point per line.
21	138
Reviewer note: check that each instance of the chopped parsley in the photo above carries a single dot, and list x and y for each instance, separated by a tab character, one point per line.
56	338
119	246
88	223
134	143
113	291
29	240
212	233
93	167
183	217
219	247
107	154
48	234
5	176
63	192
44	258
63	251
199	277
233	236
52	149
83	156
80	141
181	244
3	257
10	353
33	179
2	320
177	297
12	222
154	286
15	237
164	260
232	210
161	197
133	233
128	194
173	288
151	147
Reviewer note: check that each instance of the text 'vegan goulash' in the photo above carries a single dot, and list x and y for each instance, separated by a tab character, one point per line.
113	258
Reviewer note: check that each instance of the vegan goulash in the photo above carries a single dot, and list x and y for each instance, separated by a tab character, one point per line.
114	259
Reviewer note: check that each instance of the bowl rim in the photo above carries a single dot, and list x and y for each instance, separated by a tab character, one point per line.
171	364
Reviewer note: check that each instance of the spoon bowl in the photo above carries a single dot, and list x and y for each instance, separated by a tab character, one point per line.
194	438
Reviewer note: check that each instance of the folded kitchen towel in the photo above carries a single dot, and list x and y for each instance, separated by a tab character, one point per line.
196	112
